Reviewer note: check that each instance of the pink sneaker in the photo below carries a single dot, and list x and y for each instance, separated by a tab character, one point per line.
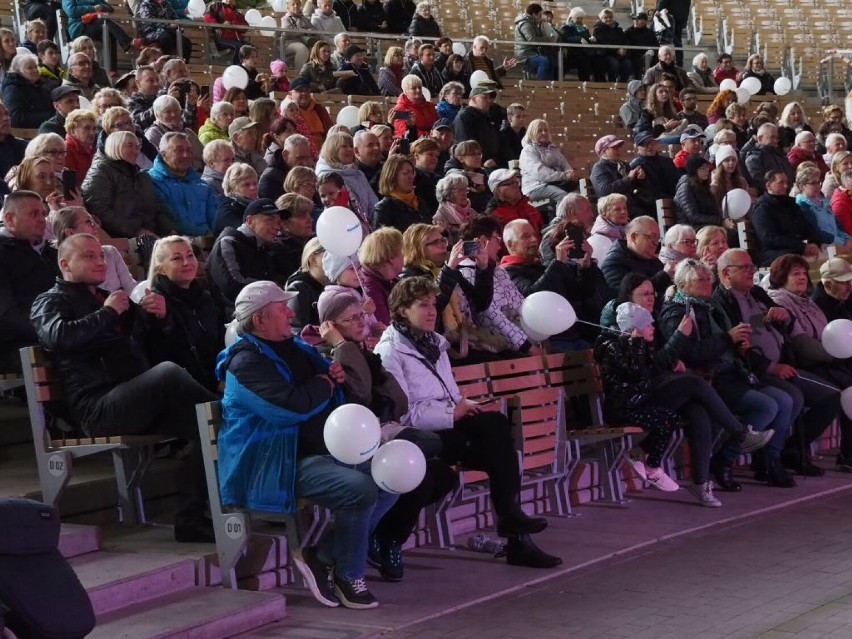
659	480
638	465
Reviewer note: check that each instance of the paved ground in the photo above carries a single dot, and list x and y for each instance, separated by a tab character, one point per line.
771	563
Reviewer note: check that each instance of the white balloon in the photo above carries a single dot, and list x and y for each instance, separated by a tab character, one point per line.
728	85
846	401
533	335
195	8
339	231
270	23
427	94
458	49
752	85
548	313
476	77
253	17
138	291
352	433
837	338
235	76
743	96
230	333
85	103
348	116
278	6
782	86
398	466
600	246
736	203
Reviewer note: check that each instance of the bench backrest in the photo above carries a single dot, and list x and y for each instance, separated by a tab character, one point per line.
578	375
665	215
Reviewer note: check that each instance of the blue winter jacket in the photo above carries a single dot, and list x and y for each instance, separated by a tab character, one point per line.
191	202
258	440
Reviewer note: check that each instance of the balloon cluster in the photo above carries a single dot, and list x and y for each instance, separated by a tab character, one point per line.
837	342
751	86
546	313
353	435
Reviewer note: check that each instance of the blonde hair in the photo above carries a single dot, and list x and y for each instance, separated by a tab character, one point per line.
366	110
332	145
160	253
111	115
392	51
414	243
297	176
114	142
535	128
390	172
312	248
380	246
410	82
237	172
77	117
37	147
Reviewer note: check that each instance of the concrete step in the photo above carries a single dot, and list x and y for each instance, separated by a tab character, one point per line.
76	540
197	613
116	580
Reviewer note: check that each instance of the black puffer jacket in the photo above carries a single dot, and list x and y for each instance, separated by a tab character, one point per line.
304	305
782	228
236	260
271	183
421	27
621	260
29	104
474	124
695	204
24	274
192	333
90	344
230	212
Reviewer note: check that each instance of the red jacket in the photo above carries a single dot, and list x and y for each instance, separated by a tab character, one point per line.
841	204
78	157
523	210
424	114
219	13
797	155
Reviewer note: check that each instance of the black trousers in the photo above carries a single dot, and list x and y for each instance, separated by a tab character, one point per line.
161	400
118	37
44	11
167	41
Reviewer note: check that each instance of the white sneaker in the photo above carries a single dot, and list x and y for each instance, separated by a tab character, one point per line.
638	465
704	494
659	480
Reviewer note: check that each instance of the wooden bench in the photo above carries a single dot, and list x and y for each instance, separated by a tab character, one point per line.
131	455
665	215
232	526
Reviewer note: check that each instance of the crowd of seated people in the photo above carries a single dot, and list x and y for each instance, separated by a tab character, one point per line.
465	211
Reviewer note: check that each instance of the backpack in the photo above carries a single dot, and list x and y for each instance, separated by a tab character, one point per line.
40	595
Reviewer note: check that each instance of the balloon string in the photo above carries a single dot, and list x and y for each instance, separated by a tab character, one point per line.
357	274
606	328
813	381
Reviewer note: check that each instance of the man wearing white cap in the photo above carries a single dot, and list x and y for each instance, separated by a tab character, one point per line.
278	393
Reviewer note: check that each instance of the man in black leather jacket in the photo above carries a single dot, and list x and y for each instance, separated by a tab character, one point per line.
109	387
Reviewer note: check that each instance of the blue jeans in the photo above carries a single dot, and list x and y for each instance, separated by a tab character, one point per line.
357	504
762	408
541	65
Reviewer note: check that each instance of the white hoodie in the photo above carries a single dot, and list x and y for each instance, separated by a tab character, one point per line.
330	25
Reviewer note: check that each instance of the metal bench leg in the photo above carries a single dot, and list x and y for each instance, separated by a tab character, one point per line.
232	533
54	472
130	466
611	457
572	462
669	464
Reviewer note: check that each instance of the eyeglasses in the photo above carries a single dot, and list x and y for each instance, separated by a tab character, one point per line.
477	154
688	242
82	63
650	236
514	183
56	152
440	240
360	317
748	267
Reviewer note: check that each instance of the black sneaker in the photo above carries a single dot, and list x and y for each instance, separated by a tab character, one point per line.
844	463
354	594
391	567
317	576
374	553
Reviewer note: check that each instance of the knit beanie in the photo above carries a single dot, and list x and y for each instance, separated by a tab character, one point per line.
333	266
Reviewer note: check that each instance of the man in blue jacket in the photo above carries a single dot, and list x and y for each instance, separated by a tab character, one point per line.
278	393
191	202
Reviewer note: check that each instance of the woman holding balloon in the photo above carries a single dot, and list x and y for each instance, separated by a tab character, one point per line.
344	331
416	356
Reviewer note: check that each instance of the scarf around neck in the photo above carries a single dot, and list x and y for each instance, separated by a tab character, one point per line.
410	199
425	343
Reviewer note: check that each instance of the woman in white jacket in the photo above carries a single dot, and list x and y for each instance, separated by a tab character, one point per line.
545	173
416	356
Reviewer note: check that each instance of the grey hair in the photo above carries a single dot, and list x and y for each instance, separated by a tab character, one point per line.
688	271
698	58
246	325
170	64
219	108
801	136
577	12
448	184
294	140
212	150
36	147
17	63
724	136
833	137
168	137
411	81
236	172
567	204
846	178
637	224
164	102
450	87
665	48
114	142
765	128
356	139
512	229
677	233
727	257
481	39
423	4
608	201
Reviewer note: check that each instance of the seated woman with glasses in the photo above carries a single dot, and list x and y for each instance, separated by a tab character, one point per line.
467	160
679	244
119	119
400	207
817	209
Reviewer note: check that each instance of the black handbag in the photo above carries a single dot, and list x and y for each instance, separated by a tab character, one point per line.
40	595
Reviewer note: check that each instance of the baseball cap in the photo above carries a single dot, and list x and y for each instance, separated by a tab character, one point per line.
351	50
836	269
639	16
691	132
607	142
241	123
643	137
443	123
264	206
61	91
300	82
257	296
484	86
122	82
499	176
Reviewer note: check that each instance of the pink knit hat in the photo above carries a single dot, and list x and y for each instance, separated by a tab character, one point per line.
278	66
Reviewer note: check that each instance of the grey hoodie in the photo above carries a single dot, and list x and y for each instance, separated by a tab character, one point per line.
630	110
